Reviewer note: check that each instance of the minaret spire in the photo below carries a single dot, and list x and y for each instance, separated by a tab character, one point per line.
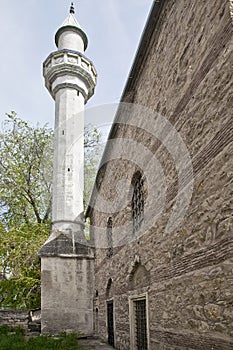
72	8
70	35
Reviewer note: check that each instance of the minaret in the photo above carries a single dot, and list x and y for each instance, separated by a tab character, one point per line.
67	270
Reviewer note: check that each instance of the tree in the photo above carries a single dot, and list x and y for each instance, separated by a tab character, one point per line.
26	172
25	204
20	265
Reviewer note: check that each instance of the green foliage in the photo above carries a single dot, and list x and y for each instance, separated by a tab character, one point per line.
13	339
25	206
26	172
4	330
20	265
63	342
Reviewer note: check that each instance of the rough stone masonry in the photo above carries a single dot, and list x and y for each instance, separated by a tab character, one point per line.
183	71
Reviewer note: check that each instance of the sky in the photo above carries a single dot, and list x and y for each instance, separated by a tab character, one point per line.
113	27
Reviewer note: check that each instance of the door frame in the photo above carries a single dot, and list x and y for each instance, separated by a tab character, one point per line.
108	301
132	299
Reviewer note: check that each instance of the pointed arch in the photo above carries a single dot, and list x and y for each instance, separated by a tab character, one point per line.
139	277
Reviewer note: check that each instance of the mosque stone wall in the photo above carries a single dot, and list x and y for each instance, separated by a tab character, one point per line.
186	76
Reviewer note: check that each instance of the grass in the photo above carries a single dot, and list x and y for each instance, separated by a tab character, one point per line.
14	339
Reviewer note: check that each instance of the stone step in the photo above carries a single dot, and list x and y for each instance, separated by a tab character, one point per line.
34	327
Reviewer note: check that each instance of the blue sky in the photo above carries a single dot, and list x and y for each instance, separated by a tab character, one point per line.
27	34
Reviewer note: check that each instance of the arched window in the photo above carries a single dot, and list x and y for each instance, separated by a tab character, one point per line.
109	238
138	203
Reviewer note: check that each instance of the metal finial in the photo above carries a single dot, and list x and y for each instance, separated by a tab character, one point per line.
72	8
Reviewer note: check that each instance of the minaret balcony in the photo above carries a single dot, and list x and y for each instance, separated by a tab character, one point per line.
66	63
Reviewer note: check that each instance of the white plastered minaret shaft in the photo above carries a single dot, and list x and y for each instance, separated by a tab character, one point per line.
70	78
68	184
67	260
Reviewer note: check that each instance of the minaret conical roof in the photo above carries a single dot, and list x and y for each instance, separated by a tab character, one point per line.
71	21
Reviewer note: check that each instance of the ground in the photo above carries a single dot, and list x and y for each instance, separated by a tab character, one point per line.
94	344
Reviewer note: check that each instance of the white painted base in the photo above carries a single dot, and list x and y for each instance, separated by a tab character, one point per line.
67	295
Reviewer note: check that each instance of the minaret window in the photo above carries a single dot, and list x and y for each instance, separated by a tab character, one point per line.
109	238
138	203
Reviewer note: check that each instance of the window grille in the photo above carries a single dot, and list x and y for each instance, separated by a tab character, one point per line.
109	238
138	204
140	324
